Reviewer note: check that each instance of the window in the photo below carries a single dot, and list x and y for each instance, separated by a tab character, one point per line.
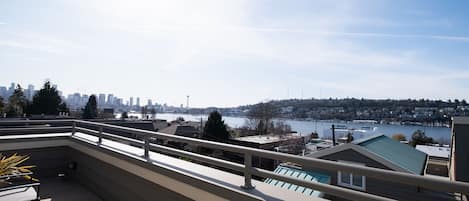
350	180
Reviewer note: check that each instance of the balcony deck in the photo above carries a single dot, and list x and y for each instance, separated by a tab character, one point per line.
208	177
57	189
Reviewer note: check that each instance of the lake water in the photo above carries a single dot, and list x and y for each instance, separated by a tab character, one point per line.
323	128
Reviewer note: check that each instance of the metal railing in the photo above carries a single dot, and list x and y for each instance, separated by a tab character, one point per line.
144	141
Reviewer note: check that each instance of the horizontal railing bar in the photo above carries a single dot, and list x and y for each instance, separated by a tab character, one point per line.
330	189
115	128
109	136
83	139
192	141
31	129
27	121
120	138
198	157
20	186
87	131
399	177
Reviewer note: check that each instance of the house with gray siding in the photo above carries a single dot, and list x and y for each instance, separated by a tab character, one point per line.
377	151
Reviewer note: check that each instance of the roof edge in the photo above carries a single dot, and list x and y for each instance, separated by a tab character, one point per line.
362	140
362	151
460	120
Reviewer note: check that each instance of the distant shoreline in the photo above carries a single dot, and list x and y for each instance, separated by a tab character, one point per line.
355	121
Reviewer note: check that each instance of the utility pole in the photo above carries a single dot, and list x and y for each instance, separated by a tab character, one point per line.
315	125
333	135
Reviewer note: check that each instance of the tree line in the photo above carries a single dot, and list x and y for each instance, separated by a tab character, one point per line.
46	101
412	110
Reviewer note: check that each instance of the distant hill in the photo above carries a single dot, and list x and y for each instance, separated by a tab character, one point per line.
382	110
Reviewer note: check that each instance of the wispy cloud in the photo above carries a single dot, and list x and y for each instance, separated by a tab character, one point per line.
16	44
37	42
355	34
1	23
201	28
389	35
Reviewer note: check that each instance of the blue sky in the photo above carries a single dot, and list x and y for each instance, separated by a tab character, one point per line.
228	53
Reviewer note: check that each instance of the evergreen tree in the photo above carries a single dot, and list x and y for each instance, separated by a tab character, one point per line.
63	107
419	138
124	115
91	108
47	101
16	103
215	128
349	137
179	119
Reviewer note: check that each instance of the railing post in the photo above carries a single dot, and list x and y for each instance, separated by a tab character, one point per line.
74	127
146	147
247	172
100	135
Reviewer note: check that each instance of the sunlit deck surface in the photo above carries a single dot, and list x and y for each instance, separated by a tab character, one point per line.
58	189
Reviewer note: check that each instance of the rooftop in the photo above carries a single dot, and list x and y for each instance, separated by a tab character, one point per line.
461	120
400	154
182	130
301	174
267	139
435	151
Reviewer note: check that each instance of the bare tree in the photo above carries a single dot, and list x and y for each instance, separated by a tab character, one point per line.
281	127
292	144
262	114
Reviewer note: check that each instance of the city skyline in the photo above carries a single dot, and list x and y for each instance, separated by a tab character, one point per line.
246	51
111	100
30	90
